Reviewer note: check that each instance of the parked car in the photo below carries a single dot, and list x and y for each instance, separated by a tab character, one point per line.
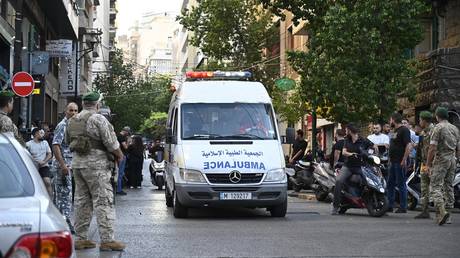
30	224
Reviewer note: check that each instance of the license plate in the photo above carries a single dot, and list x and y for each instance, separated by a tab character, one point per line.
159	173
235	196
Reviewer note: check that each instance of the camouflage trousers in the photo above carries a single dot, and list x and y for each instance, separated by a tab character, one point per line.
62	197
94	192
442	178
425	189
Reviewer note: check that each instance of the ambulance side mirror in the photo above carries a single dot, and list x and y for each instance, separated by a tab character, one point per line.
170	137
290	135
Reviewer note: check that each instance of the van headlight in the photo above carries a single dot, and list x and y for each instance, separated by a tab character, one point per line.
275	175
191	176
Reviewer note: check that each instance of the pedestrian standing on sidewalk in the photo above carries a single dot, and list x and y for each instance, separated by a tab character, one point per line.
135	162
6	107
41	153
298	148
62	181
123	141
444	146
425	123
95	150
400	147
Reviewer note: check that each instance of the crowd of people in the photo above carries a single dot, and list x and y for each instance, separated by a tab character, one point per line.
431	148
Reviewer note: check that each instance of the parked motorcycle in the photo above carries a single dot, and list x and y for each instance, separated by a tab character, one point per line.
157	170
324	182
367	191
456	186
303	177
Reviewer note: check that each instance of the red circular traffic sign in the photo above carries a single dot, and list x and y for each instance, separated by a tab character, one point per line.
23	84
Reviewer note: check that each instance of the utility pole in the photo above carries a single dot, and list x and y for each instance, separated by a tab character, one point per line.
18	44
314	144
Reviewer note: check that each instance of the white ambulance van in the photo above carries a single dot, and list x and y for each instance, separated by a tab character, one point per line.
223	146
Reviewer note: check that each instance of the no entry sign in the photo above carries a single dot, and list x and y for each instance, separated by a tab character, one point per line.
22	84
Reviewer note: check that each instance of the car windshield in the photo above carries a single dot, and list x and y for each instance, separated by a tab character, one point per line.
203	121
15	180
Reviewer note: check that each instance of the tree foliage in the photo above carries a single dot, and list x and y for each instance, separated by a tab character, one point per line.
132	99
155	125
240	35
356	64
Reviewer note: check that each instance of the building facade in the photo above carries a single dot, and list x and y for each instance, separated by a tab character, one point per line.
440	54
27	27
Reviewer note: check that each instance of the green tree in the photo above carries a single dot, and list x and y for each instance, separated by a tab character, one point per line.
240	35
356	65
155	125
132	99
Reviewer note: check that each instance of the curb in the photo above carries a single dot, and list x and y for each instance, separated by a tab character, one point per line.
307	196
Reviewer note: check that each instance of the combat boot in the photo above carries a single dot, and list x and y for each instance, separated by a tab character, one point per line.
112	246
443	215
425	214
84	244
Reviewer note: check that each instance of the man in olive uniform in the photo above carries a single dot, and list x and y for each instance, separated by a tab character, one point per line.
95	149
444	143
6	107
427	126
62	181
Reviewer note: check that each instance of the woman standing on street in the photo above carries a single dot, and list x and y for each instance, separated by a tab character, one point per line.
134	162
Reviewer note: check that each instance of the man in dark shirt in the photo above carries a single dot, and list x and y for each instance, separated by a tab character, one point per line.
298	148
337	157
157	148
400	147
353	146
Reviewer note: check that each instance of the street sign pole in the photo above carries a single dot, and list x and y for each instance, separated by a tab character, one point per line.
29	104
76	72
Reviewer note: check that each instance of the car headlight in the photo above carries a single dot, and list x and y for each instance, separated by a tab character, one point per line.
191	176
275	175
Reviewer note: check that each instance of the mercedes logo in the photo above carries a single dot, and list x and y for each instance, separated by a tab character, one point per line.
235	177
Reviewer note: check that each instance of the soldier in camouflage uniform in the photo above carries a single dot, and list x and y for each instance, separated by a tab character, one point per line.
444	142
92	172
6	107
62	181
427	126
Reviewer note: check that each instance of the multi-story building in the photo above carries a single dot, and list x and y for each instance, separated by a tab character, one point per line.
27	26
440	52
149	43
185	56
105	13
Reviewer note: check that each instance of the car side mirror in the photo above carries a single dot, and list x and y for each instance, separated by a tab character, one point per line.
170	137
290	135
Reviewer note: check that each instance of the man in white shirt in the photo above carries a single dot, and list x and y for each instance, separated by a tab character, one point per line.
378	138
41	153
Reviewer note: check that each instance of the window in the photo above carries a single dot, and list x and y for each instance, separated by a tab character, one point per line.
202	121
15	180
10	14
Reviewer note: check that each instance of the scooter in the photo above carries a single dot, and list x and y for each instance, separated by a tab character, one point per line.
414	188
456	186
157	170
324	182
303	177
366	191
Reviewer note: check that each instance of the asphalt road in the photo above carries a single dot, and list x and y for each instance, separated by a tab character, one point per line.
149	229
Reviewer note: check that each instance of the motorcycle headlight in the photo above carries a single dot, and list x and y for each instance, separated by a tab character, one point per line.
275	175
192	176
